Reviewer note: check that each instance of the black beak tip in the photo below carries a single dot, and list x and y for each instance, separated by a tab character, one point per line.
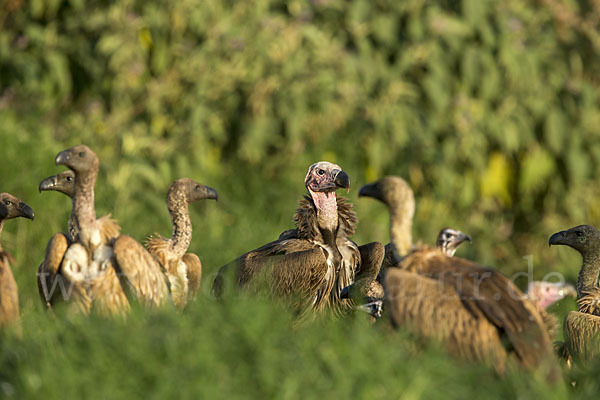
345	293
61	158
342	180
212	193
26	211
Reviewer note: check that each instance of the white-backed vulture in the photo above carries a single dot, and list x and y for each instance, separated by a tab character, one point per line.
184	270
94	268
48	270
474	310
10	207
316	260
582	327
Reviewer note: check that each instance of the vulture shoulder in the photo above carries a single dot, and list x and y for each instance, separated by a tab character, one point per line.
109	228
194	272
140	270
49	269
9	293
485	292
105	288
582	335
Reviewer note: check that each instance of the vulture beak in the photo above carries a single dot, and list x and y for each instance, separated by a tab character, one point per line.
210	193
462	237
3	211
48	183
370	190
342	180
25	210
558	238
63	157
345	293
568	290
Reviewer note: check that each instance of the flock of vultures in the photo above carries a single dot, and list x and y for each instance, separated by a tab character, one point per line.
475	311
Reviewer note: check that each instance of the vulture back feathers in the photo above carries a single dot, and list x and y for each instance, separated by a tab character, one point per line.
474	310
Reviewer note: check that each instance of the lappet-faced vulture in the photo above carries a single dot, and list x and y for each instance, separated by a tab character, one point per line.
475	311
10	207
582	327
316	260
95	268
184	270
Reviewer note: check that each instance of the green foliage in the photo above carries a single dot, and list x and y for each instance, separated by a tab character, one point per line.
489	109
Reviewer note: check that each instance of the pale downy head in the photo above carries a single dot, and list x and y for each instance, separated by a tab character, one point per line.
324	176
12	207
78	158
449	239
192	190
583	238
394	192
544	294
63	183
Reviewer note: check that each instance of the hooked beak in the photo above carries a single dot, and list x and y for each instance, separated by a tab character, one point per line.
63	157
558	238
48	183
25	210
342	180
370	190
211	193
462	237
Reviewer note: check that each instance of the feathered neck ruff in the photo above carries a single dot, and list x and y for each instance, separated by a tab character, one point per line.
308	226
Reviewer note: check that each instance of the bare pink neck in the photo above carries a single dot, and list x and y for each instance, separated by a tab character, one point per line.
326	204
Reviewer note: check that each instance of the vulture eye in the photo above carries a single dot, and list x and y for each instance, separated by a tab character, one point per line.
579	233
197	187
69	178
321	172
81	154
7	202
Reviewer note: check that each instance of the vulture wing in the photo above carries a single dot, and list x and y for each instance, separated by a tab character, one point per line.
9	294
109	229
48	270
485	292
433	309
194	273
140	270
582	335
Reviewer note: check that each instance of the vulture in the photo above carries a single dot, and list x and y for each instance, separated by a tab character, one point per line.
543	295
474	310
582	327
449	239
10	207
48	270
98	268
315	261
183	270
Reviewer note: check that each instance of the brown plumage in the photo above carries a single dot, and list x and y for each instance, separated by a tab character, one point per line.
474	310
51	285
315	261
184	271
10	207
97	267
582	327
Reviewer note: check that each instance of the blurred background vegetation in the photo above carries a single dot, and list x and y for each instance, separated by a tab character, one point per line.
489	109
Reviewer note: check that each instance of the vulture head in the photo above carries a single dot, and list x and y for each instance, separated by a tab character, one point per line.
449	239
80	159
12	207
544	294
583	238
326	177
63	182
192	190
393	191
